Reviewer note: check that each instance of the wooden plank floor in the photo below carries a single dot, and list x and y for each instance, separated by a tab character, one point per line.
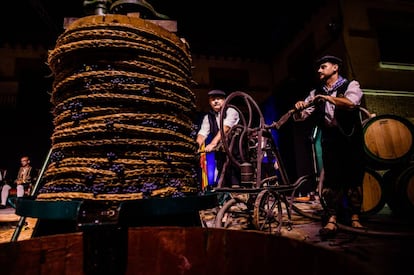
8	222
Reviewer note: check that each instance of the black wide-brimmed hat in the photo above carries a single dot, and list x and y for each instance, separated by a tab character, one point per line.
216	93
329	58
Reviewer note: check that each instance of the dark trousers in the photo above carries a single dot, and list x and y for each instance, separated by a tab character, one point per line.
344	167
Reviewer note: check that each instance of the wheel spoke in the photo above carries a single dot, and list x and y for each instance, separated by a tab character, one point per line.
266	214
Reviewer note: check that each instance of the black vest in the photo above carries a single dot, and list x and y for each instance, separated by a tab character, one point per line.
213	123
219	156
349	121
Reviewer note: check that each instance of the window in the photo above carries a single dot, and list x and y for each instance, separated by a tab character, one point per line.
394	33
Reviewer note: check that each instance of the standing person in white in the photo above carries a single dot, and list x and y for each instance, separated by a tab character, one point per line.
210	127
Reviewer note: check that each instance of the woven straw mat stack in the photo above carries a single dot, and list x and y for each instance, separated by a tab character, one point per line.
122	111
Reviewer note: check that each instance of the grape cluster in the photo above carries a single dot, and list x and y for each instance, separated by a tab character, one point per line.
175	183
147	189
194	130
76	116
168	126
111	156
74	105
150	89
113	190
98	188
57	156
62	188
119	80
178	194
131	189
117	168
150	123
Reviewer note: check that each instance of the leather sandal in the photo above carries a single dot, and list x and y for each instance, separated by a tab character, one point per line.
326	233
355	223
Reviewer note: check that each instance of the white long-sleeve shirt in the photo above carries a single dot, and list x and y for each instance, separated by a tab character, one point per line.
231	119
354	93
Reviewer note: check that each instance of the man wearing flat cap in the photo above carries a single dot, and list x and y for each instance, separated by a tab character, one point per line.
329	58
334	106
218	93
210	127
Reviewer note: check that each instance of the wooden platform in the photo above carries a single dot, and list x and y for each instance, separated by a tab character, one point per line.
380	246
8	223
8	215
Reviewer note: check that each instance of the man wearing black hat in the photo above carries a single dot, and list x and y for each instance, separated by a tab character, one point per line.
334	106
210	128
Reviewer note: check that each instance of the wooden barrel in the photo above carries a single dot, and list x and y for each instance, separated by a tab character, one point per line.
399	189
373	194
178	250
388	141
